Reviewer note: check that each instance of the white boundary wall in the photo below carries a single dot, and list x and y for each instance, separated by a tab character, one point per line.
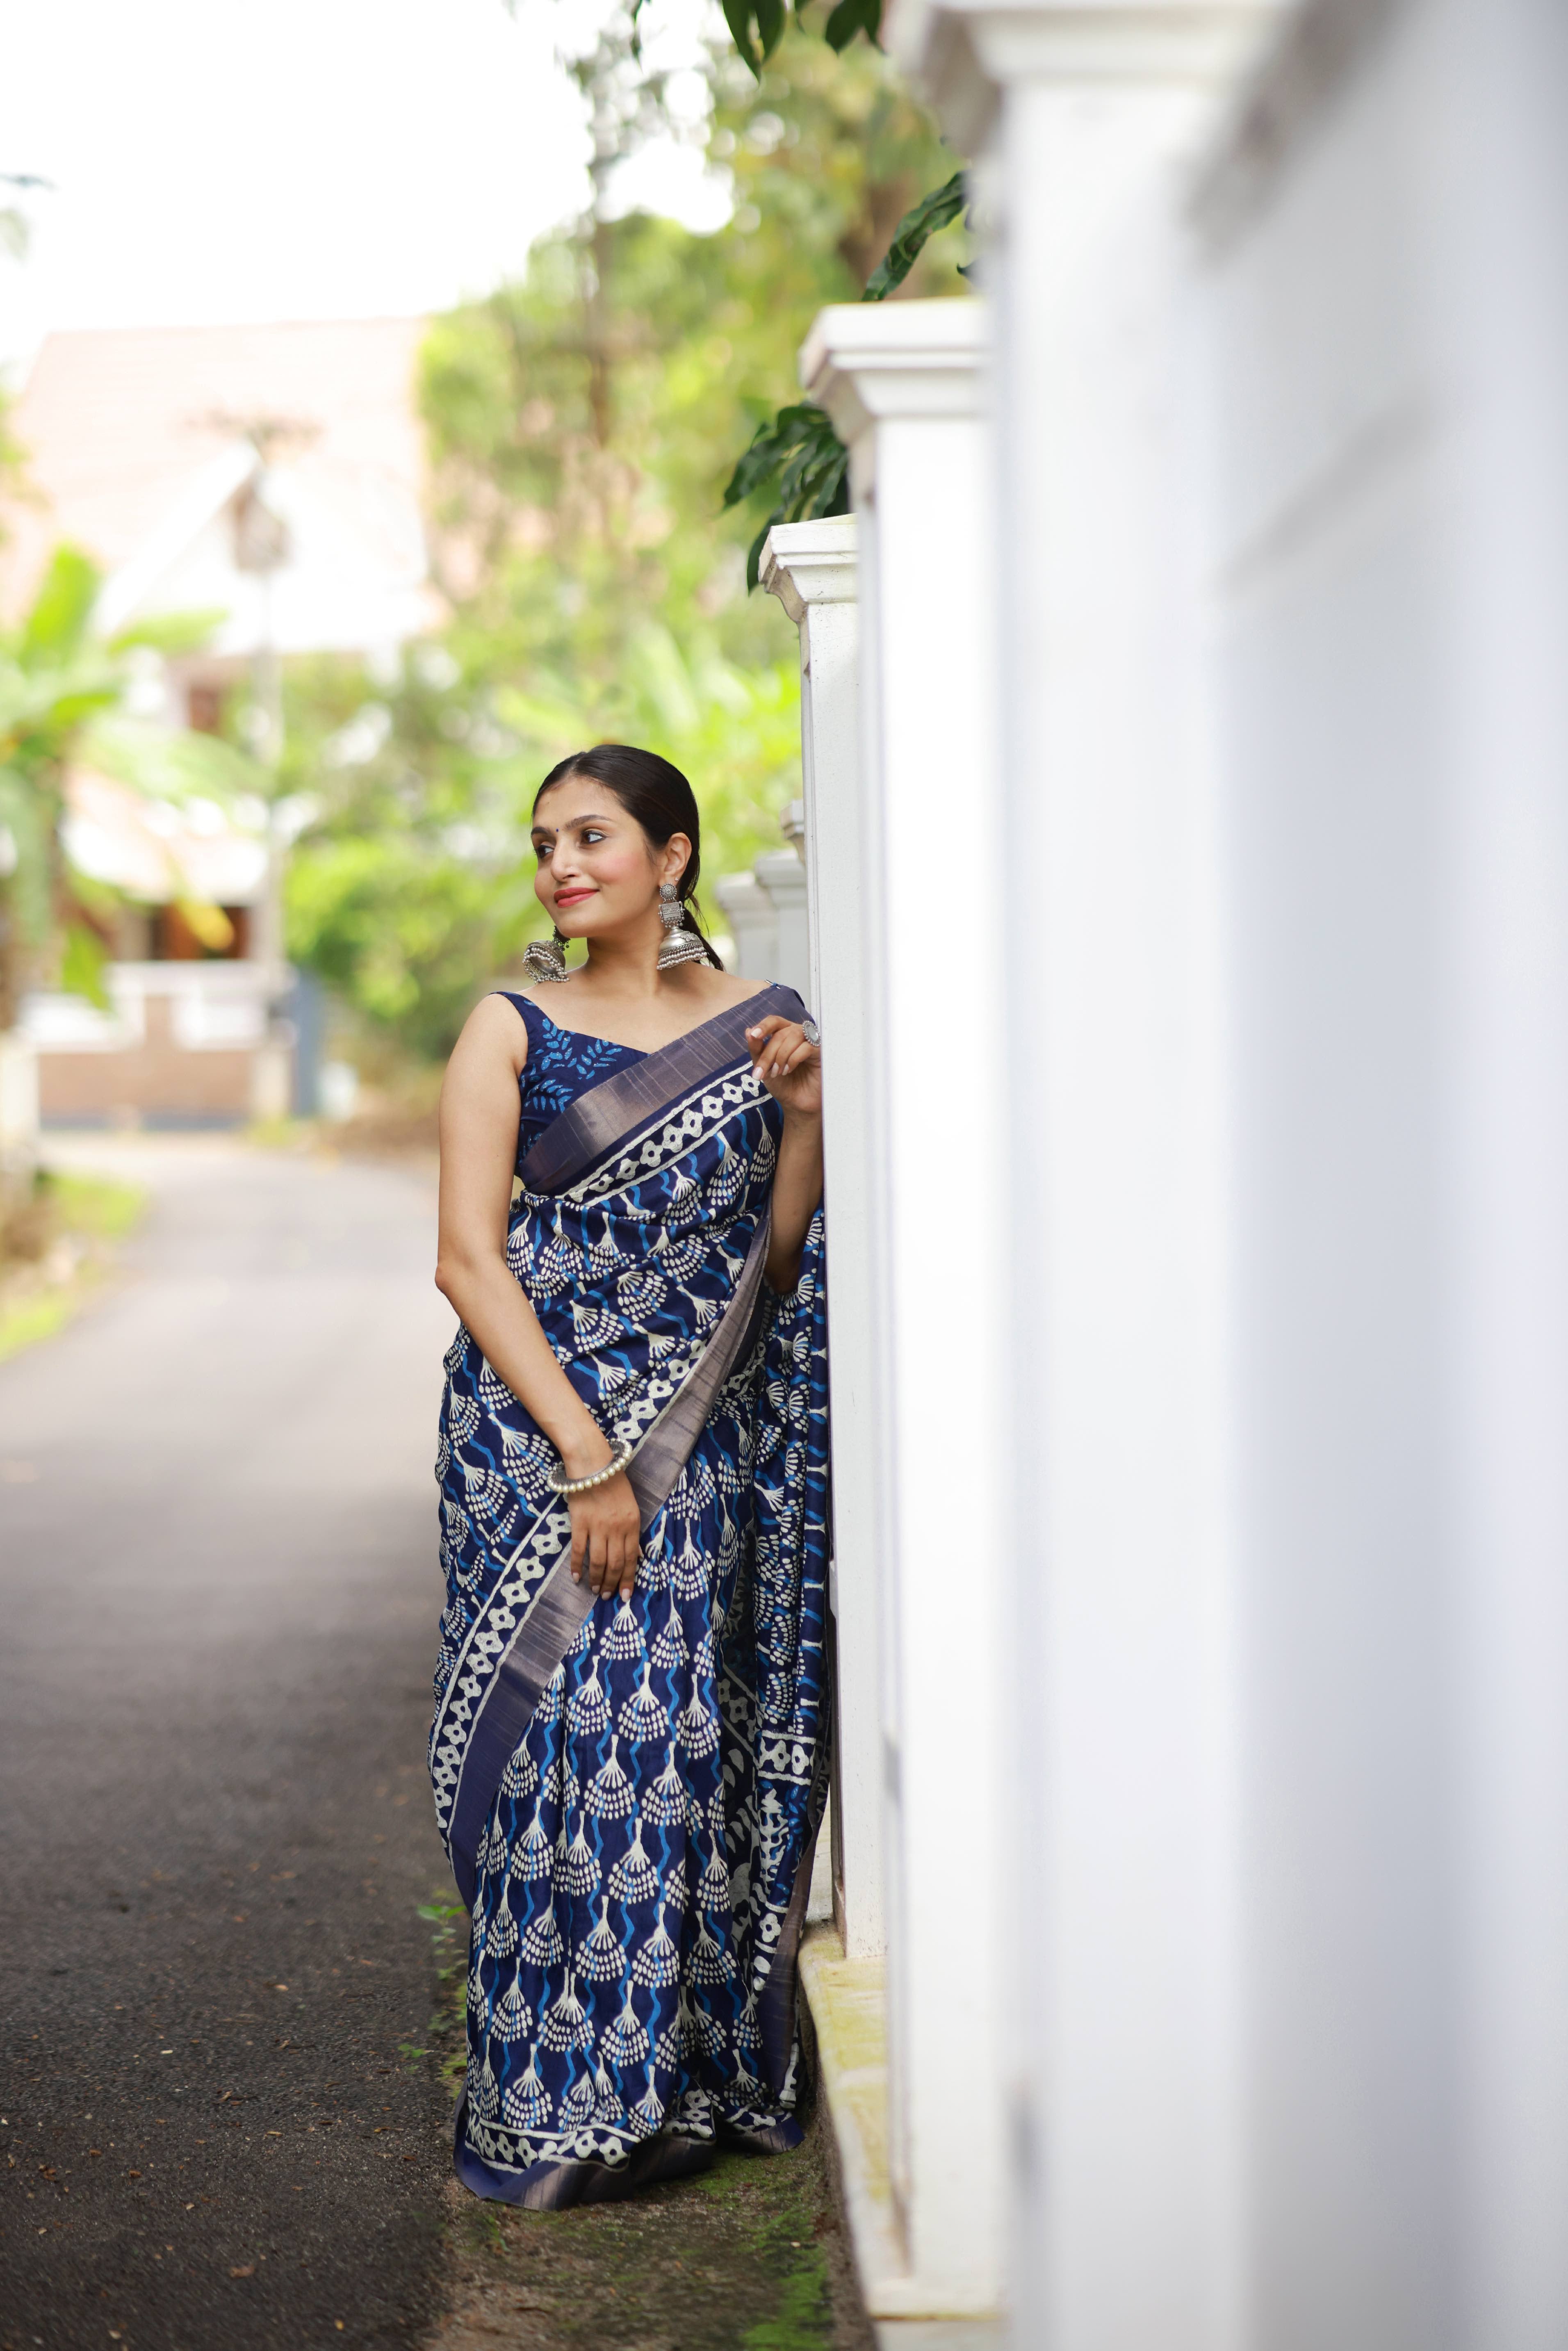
810	568
901	384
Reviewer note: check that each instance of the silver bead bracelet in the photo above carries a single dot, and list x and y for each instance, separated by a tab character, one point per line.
612	1468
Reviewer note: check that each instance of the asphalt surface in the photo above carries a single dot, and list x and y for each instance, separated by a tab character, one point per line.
218	1601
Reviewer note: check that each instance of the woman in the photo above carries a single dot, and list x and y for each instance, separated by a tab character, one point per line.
629	1748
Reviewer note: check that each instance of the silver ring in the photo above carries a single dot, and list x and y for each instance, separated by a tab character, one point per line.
810	1031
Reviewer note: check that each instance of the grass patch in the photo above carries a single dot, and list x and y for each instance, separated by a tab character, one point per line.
57	1235
96	1207
748	2256
446	2032
32	1319
803	2320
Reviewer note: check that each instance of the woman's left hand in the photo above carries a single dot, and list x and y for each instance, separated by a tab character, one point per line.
789	1068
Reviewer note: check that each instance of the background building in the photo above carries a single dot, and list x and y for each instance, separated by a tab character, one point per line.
270	476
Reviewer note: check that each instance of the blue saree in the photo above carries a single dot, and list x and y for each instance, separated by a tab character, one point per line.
629	1791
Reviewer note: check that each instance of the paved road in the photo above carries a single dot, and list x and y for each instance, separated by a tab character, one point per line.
217	1606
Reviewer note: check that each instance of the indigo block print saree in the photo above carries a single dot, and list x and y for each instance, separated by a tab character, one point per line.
629	1791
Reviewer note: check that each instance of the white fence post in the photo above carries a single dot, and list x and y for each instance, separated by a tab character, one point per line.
782	877
810	568
901	384
753	924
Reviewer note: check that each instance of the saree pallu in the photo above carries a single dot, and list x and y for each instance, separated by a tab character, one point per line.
629	1791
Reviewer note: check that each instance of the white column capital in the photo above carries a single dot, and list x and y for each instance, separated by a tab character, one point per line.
865	362
806	563
965	53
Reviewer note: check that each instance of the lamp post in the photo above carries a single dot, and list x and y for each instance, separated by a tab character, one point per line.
262	545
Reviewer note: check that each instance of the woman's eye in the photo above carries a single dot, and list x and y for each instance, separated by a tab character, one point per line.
590	837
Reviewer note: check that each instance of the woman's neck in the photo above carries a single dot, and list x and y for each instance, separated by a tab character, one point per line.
625	970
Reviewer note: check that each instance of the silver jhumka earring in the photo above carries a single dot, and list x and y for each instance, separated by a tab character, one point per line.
678	945
545	960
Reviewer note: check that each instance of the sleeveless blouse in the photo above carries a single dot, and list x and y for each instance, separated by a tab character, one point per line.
561	1064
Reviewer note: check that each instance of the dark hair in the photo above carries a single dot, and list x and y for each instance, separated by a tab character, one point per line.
656	796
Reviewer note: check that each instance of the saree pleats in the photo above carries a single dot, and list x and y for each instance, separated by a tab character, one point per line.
630	1789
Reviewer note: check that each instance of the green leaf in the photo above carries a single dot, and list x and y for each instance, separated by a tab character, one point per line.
170	632
852	16
28	817
770	16
169	767
919	224
738	16
81	965
55	626
800	452
797	436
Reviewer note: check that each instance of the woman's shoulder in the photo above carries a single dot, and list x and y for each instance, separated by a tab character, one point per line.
726	989
507	1018
787	998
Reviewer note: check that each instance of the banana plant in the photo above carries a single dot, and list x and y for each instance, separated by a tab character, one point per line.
64	694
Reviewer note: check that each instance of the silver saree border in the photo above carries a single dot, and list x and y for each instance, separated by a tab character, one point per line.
591	1126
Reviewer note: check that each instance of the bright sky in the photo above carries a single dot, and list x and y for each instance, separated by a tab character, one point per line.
213	160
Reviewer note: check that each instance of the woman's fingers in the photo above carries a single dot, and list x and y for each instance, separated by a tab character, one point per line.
778	1046
606	1541
771	1037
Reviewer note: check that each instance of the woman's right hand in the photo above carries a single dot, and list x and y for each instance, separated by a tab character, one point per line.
606	1528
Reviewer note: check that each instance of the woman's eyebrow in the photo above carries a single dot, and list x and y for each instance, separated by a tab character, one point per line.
572	824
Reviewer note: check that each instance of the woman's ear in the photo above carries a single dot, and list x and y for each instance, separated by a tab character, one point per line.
675	857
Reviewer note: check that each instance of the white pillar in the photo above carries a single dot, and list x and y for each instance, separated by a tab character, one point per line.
782	877
753	924
1121	2035
901	381
810	568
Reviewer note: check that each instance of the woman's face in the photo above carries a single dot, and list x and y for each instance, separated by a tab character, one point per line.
598	870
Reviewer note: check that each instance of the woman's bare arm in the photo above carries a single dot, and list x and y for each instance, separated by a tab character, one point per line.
478	1145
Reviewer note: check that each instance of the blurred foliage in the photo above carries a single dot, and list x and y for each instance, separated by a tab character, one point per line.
62	691
581	426
795	468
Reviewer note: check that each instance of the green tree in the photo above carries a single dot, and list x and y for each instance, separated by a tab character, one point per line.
581	426
63	691
833	151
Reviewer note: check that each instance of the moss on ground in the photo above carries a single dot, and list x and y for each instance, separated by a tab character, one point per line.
747	2257
750	2255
